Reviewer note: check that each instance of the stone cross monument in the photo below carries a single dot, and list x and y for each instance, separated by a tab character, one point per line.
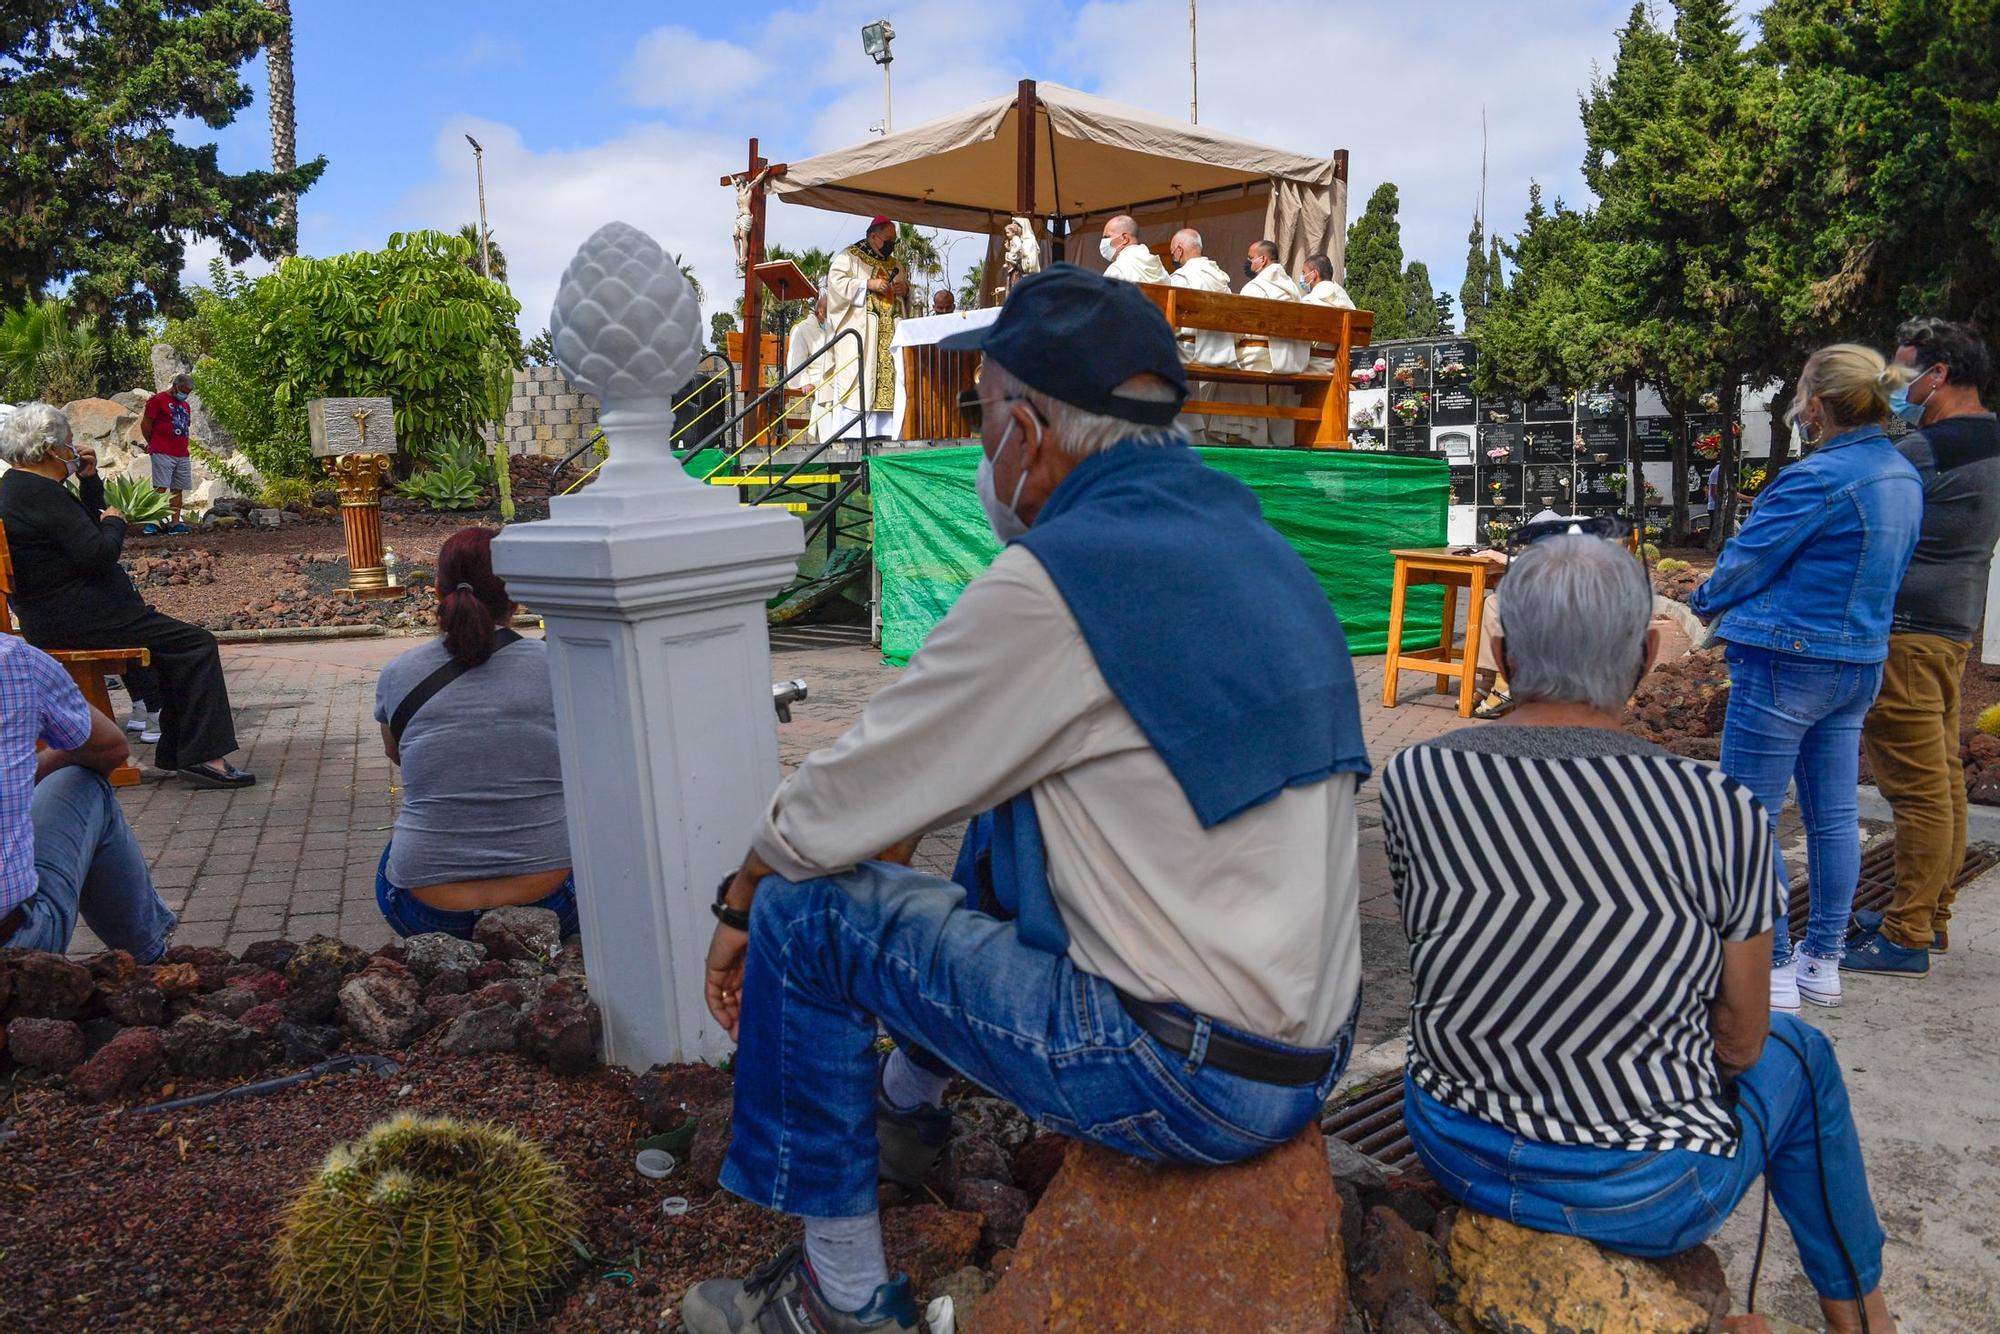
355	437
652	586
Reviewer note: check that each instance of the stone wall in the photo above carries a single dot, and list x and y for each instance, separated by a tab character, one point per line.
547	416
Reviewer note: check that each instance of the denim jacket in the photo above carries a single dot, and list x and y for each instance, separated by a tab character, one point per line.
1815	570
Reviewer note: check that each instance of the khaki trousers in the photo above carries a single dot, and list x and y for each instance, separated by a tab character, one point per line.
1911	740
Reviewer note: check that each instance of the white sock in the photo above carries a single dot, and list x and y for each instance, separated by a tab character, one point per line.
846	1259
908	1085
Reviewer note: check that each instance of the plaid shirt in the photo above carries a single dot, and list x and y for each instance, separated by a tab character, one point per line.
38	702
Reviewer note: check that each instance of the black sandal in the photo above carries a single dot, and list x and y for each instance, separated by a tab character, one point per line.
217	773
1497	704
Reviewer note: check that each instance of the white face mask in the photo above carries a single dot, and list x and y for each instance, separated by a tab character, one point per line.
1006	523
1106	247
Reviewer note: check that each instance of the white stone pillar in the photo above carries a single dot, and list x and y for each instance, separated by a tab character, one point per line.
652	586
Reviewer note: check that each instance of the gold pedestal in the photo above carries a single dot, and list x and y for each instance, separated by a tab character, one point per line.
358	478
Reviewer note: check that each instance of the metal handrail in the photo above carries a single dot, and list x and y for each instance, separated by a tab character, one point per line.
818	522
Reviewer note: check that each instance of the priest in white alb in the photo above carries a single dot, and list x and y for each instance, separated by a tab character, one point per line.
1321	290
809	335
1206	347
863	286
1254	352
1125	258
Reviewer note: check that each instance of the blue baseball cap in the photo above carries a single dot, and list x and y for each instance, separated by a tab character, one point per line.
1075	336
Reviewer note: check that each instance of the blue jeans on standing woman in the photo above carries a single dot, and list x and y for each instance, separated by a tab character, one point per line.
1794	1128
1794	717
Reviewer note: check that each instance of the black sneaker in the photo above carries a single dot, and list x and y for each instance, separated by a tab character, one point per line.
781	1298
909	1142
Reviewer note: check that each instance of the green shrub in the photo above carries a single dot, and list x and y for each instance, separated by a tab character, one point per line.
134	496
452	485
426	1223
281	492
236	479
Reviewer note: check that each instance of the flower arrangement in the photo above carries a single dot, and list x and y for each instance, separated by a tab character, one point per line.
1616	480
1498	488
1366	417
1581	448
1452	370
1364	376
1497	530
1752	482
1711	403
1710	445
1410	407
1408	374
1499	453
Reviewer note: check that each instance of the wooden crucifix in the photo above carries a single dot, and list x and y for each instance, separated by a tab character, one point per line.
752	185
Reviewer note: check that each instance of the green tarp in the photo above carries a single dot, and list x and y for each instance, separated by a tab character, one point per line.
1344	512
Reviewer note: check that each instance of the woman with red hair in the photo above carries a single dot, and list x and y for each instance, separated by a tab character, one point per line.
470	716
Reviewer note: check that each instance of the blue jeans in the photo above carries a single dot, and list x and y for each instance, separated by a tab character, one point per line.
830	957
1792	717
88	861
409	915
1795	1128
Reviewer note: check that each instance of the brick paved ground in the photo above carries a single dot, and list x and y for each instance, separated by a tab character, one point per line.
296	854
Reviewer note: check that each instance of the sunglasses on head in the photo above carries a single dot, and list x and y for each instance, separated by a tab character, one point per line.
1608	527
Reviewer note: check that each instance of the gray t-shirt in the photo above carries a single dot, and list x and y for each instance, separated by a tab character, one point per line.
482	780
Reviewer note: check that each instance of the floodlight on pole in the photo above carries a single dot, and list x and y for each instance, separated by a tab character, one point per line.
479	170
875	39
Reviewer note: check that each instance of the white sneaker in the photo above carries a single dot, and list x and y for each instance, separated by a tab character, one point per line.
151	735
137	722
1785	986
1818	979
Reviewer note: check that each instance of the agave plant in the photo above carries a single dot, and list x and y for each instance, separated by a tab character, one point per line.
135	497
451	485
425	1223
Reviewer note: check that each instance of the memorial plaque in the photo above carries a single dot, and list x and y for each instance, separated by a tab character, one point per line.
1366	367
1594	484
1500	484
1700	424
1454	442
1409	407
1547	404
1500	408
1551	443
1510	437
1598	403
1656	439
1602	436
1461	485
1547	486
1454	405
1373	442
351	426
1410	366
1409	439
1453	362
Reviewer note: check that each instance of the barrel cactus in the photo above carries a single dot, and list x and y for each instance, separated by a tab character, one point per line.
1989	720
426	1223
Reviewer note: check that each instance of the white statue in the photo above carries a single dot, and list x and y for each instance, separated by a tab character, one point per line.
1022	254
746	189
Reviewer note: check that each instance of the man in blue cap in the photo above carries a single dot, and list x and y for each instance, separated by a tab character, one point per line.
1150	940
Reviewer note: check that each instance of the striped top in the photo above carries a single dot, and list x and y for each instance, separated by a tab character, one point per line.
1566	893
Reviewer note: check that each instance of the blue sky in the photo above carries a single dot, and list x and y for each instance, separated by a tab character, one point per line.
626	110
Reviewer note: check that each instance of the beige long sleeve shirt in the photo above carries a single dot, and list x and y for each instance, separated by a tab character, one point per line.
1253	922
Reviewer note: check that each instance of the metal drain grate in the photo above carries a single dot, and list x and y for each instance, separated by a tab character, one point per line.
1371	1117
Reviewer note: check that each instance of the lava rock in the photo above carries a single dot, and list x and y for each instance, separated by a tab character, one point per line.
434	951
1124	1244
929	1241
507	991
973	1157
569	959
519	932
307	1044
262	983
1349	1164
210	963
121	1066
208	1046
48	986
965	1286
998	1120
1353	1217
313	1000
1511	1278
1404	1314
264	1018
54	1045
447	982
111	969
272	954
1417	1201
137	1004
562	1036
444	1009
177	980
231	1002
98	1031
383	1006
503	970
1038	1161
323	958
1004	1208
489	1028
1393	1257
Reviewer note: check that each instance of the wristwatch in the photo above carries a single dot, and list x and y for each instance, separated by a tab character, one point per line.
728	916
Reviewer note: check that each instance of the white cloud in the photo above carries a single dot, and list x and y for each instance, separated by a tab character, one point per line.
673	67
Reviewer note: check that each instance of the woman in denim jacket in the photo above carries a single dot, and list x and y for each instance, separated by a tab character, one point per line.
1804	594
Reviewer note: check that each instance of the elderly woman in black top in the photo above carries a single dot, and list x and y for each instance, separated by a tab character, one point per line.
70	592
1592	1048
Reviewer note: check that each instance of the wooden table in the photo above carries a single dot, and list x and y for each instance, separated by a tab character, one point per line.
1416	566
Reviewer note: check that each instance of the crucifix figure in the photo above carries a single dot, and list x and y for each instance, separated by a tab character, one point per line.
748	186
361	425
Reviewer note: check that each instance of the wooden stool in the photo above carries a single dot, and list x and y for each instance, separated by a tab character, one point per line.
1436	565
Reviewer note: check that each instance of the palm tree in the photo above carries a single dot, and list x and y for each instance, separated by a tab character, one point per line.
284	117
470	234
920	258
687	276
780	316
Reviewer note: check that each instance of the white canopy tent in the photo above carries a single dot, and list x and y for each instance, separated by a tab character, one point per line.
1073	159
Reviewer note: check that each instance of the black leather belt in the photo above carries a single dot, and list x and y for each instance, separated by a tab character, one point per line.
1175	1031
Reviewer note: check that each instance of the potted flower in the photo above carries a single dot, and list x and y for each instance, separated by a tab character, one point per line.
1711	403
1499	453
1497	530
1709	446
1364	376
1409	407
1578	445
1498	488
1452	370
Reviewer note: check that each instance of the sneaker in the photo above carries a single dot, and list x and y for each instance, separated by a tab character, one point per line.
178	529
1868	921
1818	979
782	1298
1876	953
150	734
1785	986
137	722
910	1142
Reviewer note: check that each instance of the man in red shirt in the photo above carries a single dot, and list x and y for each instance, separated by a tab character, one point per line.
165	427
